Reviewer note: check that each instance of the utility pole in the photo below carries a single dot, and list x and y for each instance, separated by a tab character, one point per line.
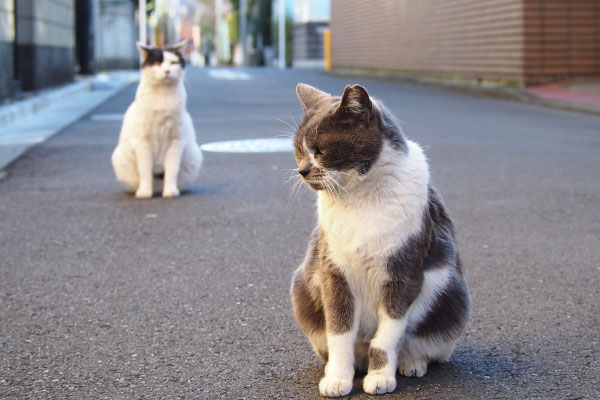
243	30
142	14
218	14
281	11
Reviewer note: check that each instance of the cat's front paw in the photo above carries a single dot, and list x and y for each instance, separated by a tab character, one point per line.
170	192
143	193
379	384
335	387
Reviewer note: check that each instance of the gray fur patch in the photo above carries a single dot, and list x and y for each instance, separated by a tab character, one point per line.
377	359
339	302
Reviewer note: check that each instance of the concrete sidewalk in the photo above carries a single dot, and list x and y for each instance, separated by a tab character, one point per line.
28	122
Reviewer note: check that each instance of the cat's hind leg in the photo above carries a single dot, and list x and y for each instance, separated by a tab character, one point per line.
124	165
191	161
417	352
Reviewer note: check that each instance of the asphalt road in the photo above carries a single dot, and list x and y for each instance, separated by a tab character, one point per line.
108	297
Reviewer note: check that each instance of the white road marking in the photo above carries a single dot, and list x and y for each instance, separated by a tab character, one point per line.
107	117
251	146
228	74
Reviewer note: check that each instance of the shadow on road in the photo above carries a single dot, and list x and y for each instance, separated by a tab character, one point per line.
204	190
468	371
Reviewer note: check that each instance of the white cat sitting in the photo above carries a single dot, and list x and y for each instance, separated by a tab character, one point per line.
157	136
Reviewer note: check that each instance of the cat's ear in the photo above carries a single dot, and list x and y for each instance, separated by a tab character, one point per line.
143	49
356	102
179	46
309	96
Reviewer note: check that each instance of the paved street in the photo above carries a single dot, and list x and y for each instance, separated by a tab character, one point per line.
108	297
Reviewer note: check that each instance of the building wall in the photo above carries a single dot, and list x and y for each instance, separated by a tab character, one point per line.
308	44
7	37
466	38
514	41
562	39
117	35
45	38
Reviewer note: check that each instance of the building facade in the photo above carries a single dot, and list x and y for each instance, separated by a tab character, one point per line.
506	42
7	38
311	19
45	42
116	35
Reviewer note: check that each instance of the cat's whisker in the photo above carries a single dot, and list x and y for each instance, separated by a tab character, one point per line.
293	119
295	192
337	184
287	123
285	135
339	187
292	174
329	187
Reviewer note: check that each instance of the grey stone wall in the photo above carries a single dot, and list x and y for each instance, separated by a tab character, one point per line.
7	37
45	37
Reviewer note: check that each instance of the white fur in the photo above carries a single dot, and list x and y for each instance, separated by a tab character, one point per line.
339	371
157	135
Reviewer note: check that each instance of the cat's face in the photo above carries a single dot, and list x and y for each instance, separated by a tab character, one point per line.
162	65
338	139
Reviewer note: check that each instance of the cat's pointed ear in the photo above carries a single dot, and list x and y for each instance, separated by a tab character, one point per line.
179	46
309	96
143	49
356	101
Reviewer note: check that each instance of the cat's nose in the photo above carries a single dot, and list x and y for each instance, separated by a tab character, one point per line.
167	72
304	172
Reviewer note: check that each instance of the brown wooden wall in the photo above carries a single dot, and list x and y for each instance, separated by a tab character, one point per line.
561	39
520	41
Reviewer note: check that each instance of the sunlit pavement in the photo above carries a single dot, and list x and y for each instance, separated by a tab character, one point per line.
105	296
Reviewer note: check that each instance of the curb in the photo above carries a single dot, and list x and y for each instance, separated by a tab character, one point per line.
12	113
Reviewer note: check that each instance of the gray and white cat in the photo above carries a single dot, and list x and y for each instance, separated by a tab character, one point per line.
158	137
381	286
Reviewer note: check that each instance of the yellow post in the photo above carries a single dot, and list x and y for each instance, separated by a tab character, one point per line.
327	49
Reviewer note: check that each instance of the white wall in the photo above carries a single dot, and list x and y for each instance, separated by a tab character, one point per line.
7	21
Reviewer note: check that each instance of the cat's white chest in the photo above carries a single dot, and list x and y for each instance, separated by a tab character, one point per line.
358	235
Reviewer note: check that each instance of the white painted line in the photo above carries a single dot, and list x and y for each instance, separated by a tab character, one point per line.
106	117
274	145
229	74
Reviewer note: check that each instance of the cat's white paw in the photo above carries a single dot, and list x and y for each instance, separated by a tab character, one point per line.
410	369
335	387
143	193
171	192
379	384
